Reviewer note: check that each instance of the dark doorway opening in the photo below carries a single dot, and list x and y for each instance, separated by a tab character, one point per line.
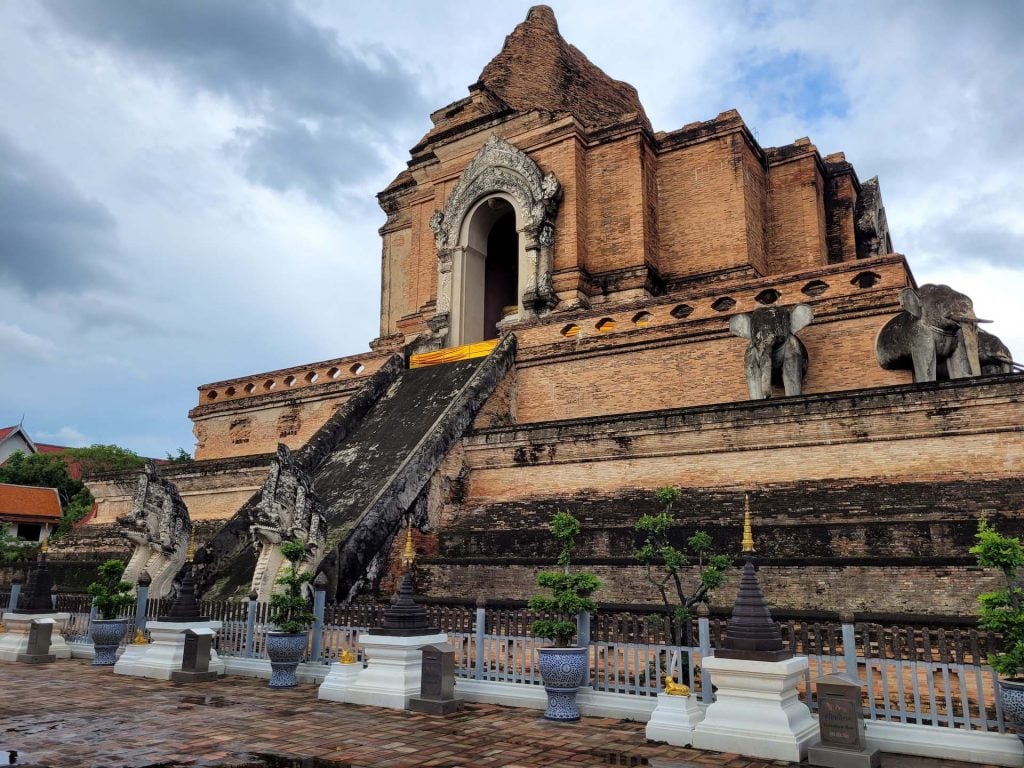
501	274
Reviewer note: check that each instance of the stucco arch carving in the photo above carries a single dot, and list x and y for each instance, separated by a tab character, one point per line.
500	169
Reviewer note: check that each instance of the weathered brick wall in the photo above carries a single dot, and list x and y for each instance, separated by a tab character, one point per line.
211	490
682	368
252	414
918	590
702	207
965	429
797	210
615	206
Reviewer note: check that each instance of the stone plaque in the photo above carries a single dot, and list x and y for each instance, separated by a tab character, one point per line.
841	724
839	712
437	682
196	655
39	635
437	676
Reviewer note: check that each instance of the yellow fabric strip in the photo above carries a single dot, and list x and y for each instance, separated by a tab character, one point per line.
453	354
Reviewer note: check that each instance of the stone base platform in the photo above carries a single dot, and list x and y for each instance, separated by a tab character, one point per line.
162	657
758	712
392	674
14	642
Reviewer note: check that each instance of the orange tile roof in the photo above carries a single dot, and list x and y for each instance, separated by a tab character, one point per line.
28	504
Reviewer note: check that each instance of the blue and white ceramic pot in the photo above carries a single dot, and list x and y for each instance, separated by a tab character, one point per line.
1012	694
107	635
563	671
285	650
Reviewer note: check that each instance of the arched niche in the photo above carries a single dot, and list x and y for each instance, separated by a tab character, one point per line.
500	180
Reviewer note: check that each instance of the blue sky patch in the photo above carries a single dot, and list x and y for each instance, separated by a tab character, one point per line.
795	84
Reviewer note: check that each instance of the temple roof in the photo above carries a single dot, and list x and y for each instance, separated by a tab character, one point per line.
28	503
538	69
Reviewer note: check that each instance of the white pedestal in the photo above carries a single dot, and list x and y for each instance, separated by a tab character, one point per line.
757	712
392	674
163	656
15	640
674	719
339	679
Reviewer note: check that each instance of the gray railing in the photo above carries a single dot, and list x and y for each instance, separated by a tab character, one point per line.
915	675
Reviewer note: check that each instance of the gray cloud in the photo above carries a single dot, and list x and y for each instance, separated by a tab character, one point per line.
291	154
18	344
51	236
275	63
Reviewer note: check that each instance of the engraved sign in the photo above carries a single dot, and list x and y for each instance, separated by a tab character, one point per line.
437	677
196	654
839	720
839	712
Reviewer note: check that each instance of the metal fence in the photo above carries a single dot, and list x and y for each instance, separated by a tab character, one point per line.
917	675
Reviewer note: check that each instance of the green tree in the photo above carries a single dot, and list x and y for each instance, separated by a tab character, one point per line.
665	563
97	458
1003	610
13	549
43	470
570	592
181	457
289	610
111	595
51	470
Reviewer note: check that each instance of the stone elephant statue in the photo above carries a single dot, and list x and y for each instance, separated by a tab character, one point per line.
937	326
993	355
774	348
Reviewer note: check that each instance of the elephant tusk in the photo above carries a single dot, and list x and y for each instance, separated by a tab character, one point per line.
969	319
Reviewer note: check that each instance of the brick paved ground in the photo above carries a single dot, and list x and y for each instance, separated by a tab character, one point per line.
72	714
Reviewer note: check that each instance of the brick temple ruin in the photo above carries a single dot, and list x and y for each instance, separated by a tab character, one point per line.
670	308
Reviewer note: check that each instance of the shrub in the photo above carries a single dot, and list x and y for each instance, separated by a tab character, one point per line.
111	596
1003	610
289	610
570	592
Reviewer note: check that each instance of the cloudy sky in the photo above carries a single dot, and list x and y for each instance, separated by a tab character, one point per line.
187	188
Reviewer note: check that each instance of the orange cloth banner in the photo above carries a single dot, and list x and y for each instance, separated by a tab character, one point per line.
453	354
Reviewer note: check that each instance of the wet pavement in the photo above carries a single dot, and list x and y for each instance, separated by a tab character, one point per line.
70	714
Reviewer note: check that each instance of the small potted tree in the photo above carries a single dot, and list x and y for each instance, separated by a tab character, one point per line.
1002	611
291	616
112	597
563	666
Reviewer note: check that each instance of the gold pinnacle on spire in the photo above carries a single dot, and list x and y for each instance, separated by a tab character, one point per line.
747	545
409	555
191	547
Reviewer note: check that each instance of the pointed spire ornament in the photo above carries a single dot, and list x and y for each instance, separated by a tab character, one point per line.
747	545
751	633
404	617
186	607
409	555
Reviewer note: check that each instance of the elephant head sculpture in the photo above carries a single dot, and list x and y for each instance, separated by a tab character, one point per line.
937	325
993	355
773	348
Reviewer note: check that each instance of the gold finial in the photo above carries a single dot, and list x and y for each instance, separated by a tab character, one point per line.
347	657
140	639
748	534
409	555
45	546
191	546
2	629
672	688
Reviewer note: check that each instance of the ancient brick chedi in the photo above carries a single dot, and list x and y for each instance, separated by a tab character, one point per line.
684	308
